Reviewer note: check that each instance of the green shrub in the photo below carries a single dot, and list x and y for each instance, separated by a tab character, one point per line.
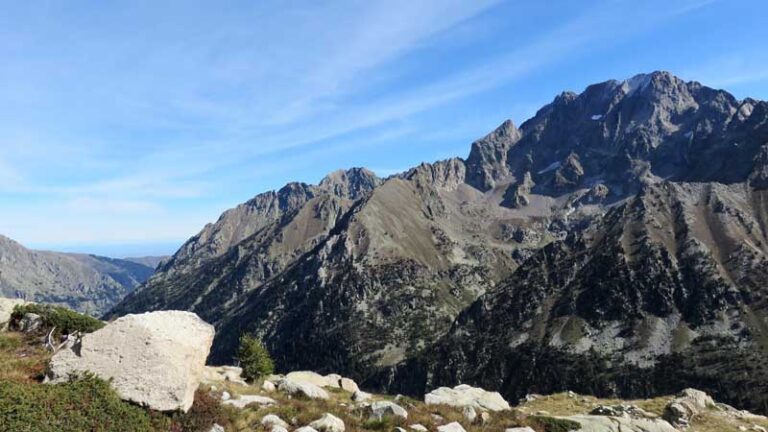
84	404
65	320
551	424
254	358
205	411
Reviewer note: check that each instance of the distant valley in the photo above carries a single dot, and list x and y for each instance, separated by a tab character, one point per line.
86	283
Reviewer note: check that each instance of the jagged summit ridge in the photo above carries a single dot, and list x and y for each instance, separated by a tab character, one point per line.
652	177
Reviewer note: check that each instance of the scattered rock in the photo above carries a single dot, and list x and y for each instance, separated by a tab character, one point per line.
519	429
333	380
348	385
305	429
484	417
6	310
245	400
154	359
451	427
219	374
467	396
590	423
360	396
311	378
687	404
30	322
268	386
278	429
621	411
418	427
216	428
301	388
469	413
381	409
328	423
271	420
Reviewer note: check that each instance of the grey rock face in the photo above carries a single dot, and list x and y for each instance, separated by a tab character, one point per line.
613	235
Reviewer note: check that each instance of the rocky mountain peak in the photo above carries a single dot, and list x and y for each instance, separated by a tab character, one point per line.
352	183
487	161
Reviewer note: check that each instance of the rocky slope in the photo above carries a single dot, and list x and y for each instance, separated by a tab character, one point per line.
623	225
86	283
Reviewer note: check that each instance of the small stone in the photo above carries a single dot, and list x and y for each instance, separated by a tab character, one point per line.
277	428
306	389
519	429
268	386
216	428
469	413
418	427
348	385
328	423
380	409
246	400
361	396
451	427
271	420
30	322
225	396
305	429
485	417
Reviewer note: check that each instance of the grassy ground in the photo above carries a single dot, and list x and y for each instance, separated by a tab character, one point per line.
300	412
89	404
563	404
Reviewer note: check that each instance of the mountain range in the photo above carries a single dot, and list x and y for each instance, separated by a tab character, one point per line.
86	283
618	234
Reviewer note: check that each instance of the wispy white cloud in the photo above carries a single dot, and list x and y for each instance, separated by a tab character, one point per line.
734	69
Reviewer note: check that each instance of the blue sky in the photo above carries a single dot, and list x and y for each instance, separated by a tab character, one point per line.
126	126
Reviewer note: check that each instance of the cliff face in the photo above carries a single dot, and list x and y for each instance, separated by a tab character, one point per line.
616	231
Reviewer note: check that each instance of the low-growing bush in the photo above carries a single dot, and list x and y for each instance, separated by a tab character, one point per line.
65	320
254	358
84	404
205	411
551	424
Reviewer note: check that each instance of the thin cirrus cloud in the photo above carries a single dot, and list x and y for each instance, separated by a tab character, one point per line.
167	111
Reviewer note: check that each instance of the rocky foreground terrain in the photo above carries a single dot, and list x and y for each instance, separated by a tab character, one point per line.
614	244
86	283
147	373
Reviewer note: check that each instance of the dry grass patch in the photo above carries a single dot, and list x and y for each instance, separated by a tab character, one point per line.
22	358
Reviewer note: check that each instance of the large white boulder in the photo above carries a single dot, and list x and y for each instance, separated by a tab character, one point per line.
6	310
467	396
154	359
